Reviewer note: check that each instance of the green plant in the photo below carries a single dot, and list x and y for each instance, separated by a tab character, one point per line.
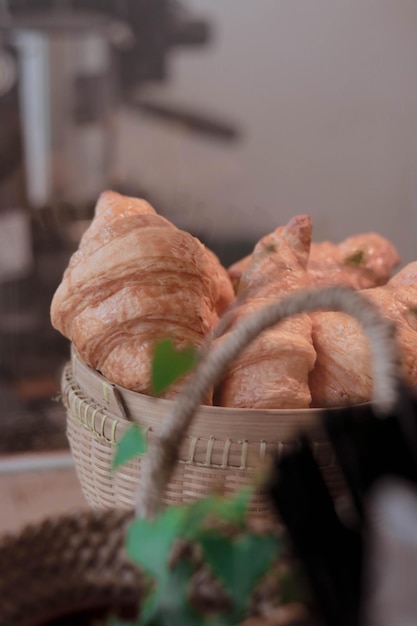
201	561
356	259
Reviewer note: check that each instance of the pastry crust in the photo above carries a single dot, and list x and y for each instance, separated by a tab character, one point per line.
135	280
342	373
343	370
272	373
361	261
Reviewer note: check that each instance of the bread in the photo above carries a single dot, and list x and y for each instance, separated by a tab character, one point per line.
273	371
135	280
361	261
343	370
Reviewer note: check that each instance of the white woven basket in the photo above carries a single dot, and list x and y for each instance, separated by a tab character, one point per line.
222	448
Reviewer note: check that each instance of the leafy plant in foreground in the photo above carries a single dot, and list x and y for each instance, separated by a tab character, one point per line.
207	540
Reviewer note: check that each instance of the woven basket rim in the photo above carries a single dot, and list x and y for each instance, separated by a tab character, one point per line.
107	410
128	394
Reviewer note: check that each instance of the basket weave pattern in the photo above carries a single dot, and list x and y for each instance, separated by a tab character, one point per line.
195	449
98	413
62	564
78	561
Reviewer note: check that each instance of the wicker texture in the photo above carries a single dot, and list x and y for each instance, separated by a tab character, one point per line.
218	448
65	564
78	561
223	448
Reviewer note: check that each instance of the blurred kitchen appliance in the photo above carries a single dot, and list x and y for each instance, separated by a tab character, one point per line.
67	95
157	26
10	153
76	59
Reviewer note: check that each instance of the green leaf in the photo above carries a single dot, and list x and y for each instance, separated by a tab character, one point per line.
357	258
233	509
228	509
240	563
150	542
131	445
169	364
169	605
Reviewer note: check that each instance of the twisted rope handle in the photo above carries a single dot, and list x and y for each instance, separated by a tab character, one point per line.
162	456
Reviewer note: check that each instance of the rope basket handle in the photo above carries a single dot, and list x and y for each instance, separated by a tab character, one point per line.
161	459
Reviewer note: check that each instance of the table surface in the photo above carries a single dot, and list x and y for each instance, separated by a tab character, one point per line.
36	486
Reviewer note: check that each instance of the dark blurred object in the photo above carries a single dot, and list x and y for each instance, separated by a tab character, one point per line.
330	552
67	101
10	137
369	448
12	175
30	425
157	27
77	61
188	119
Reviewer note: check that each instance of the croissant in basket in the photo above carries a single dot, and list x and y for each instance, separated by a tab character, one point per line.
136	279
361	261
343	368
272	373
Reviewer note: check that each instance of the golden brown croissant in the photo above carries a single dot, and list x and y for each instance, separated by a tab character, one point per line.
236	270
226	292
362	261
342	373
397	301
136	279
273	371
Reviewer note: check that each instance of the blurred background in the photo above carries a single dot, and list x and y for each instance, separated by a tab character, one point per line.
230	117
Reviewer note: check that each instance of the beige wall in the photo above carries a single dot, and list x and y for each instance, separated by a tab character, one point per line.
326	94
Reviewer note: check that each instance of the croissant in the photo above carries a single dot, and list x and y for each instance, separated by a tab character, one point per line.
397	301
343	369
362	261
136	279
236	270
273	371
